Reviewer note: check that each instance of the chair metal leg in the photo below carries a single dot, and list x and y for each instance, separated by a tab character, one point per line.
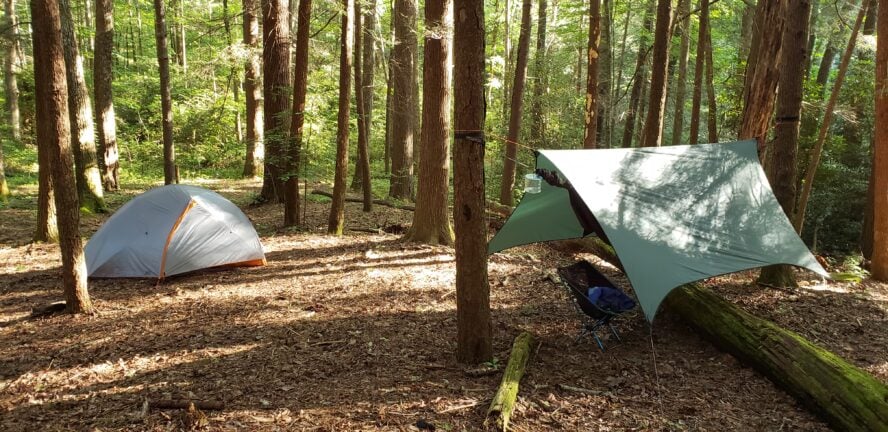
614	331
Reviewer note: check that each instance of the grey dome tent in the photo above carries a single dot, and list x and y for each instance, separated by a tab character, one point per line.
171	230
673	214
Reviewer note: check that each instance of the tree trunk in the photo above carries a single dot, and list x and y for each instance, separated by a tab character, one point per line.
170	171
746	23
368	64
511	151
840	393
638	78
761	76
336	222
53	135
275	92
816	152
10	67
879	265
591	115
106	120
82	132
403	99
869	24
474	329
652	135
4	187
297	119
812	38
389	93
605	76
47	224
363	161
684	26
782	167
253	92
537	112
712	114
699	63
826	62
507	59
181	48
431	221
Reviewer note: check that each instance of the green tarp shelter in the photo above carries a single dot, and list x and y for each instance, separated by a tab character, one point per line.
674	214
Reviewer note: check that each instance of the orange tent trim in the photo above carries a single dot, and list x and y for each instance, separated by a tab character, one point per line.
166	246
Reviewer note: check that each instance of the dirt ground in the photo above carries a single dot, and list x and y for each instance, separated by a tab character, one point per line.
358	333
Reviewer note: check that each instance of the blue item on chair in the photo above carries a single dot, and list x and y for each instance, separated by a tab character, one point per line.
598	304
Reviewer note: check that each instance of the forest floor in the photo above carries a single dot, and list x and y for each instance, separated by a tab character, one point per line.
358	333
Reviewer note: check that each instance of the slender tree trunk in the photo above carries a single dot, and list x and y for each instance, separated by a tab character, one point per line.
637	79
10	67
512	136
82	132
826	62
537	113
336	222
869	24
53	136
363	160
181	49
368	64
403	99
4	187
170	171
699	64
652	134
712	113
106	121
684	26
879	265
814	162
605	76
782	172
431	220
253	91
47	224
761	76
389	96
812	38
507	62
297	120
474	330
746	22
591	117
275	91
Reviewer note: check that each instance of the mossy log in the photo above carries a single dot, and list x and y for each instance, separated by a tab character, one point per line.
840	393
503	402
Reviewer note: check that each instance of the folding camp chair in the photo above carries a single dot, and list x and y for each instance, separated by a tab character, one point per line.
577	279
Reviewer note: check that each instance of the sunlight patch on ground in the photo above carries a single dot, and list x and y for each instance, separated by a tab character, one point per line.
824	286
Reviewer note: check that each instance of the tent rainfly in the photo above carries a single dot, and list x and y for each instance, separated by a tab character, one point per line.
171	230
674	214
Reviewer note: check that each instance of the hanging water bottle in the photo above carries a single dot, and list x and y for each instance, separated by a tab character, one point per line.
532	183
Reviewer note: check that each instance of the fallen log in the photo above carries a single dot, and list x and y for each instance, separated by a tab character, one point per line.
503	402
184	404
840	393
360	200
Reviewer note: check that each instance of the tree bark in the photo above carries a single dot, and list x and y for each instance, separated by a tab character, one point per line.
336	222
474	329
511	151
782	167
170	171
181	42
368	64
53	135
711	113
363	160
403	99
652	134
297	119
431	221
106	120
840	393
605	76
879	265
10	67
253	91
869	24
47	224
537	112
275	91
83	143
638	78
684	26
699	64
826	62
591	117
387	150
746	23
816	152
761	76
